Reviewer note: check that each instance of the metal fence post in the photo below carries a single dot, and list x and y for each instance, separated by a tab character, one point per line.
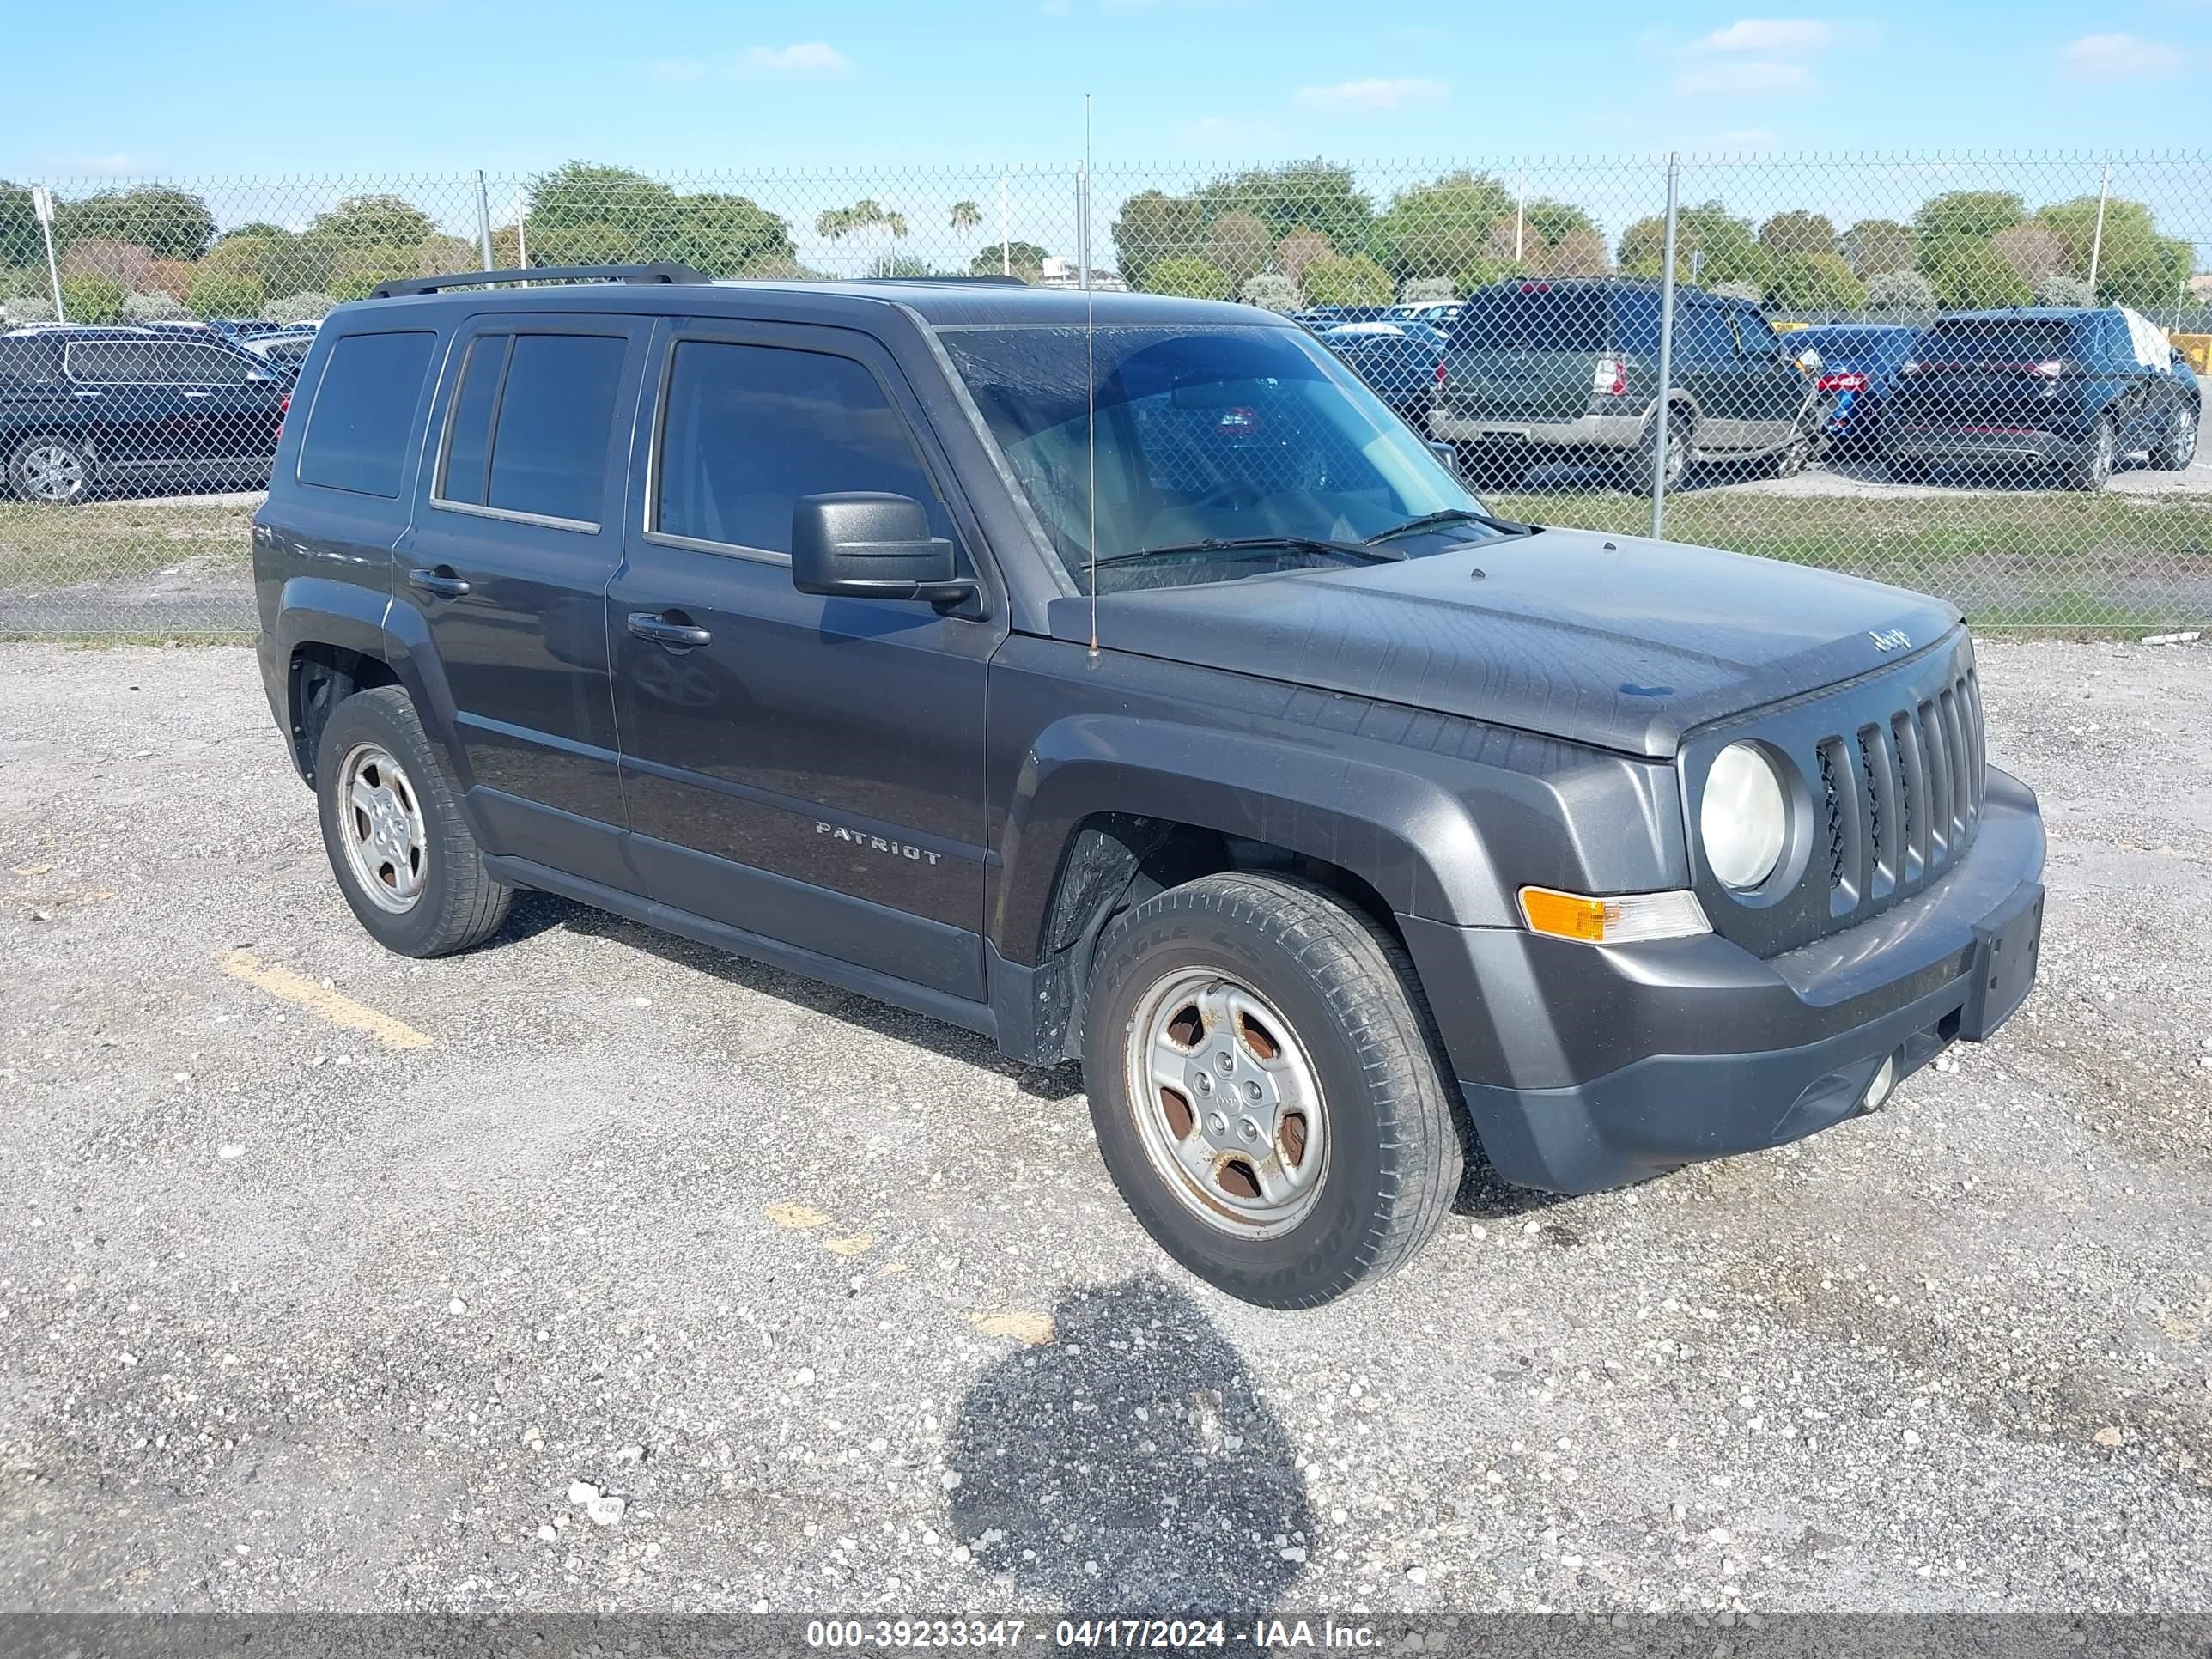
2097	243
483	219
42	204
1661	414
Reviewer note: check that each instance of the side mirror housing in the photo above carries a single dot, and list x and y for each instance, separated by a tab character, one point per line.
866	544
1447	454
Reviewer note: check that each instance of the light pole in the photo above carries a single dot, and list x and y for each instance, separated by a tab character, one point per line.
42	204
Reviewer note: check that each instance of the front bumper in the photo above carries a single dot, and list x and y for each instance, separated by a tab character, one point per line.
1584	432
1588	1067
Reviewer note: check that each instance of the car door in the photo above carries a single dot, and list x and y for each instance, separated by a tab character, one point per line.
227	408
1705	365
803	768
516	532
140	419
1773	389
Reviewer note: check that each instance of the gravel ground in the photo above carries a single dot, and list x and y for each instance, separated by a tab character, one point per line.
594	1271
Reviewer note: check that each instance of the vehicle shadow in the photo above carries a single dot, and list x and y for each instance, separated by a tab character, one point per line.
1128	1465
536	913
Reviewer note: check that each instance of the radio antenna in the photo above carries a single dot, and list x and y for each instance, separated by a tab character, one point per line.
1089	369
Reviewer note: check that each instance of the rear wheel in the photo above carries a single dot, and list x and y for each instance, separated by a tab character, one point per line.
54	470
2095	470
403	856
1264	1084
2179	448
1676	433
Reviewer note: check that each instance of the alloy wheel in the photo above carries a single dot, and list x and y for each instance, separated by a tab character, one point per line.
387	849
50	472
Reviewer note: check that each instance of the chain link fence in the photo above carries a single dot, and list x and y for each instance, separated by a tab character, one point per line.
1974	374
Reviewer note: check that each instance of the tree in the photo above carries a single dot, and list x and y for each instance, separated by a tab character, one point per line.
1874	246
1026	260
2063	291
1357	281
1272	291
865	215
1238	242
1973	274
1194	278
966	215
154	307
172	224
1426	291
1299	249
1577	254
1709	247
1319	194
1948	223
1813	282
21	241
1797	231
579	193
581	245
1437	228
2032	249
728	235
1555	221
91	300
1153	226
2136	265
126	264
1900	295
372	221
300	308
217	295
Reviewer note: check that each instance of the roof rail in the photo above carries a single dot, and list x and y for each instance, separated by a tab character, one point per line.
993	278
661	271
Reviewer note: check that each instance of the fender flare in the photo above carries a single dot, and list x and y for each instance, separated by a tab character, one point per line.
1410	840
318	610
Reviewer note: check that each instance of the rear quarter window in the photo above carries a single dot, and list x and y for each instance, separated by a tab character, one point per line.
363	415
1534	317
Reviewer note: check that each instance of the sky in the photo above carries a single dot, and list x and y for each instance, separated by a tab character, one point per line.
403	89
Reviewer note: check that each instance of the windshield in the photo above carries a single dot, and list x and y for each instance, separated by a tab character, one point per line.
1203	434
1853	347
1974	341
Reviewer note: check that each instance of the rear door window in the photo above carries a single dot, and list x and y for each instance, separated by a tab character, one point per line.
1754	333
1996	342
363	414
116	362
749	429
531	422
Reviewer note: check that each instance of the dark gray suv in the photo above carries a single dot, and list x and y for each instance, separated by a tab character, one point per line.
1342	830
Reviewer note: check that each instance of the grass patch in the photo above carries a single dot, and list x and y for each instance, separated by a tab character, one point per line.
45	548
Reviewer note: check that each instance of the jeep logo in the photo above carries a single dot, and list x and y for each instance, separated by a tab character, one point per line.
897	849
1891	639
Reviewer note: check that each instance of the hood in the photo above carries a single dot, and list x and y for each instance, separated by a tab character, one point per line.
1616	641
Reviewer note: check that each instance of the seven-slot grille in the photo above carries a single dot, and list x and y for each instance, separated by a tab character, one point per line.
1902	797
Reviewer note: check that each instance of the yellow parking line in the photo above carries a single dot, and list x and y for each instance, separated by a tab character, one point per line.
320	1000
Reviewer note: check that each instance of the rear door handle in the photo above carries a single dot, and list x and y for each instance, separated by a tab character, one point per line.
443	583
668	628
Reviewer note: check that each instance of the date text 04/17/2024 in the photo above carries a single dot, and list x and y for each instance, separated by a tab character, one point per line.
1160	1635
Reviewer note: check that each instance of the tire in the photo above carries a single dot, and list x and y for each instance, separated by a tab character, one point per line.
1790	460
1311	1001
50	469
417	881
2179	448
2095	470
1678	435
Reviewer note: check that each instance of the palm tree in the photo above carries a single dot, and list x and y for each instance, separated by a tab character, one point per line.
966	215
835	224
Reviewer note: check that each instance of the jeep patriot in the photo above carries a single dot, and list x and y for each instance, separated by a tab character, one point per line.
1343	829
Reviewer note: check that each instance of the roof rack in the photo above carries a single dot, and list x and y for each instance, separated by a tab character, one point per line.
661	271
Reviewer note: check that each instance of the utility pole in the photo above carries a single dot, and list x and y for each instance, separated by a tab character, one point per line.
1662	415
1520	212
42	204
483	220
1005	233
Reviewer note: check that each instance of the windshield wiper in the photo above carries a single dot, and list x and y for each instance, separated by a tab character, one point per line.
1245	544
1449	515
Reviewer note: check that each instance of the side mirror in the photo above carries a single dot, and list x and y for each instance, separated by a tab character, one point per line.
1447	454
865	544
260	376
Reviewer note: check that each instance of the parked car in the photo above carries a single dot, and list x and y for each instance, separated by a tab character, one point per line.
1324	317
87	408
1856	377
283	349
1332	821
1568	370
2057	389
1403	361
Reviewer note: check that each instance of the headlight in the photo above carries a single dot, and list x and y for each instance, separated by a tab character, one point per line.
1744	820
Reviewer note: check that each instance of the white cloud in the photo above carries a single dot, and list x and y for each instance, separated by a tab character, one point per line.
1747	79
1786	35
2116	57
807	57
1373	94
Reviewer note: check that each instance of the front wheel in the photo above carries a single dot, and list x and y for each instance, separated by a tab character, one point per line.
2179	448
1265	1086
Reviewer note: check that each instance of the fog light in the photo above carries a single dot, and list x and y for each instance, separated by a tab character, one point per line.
1877	1092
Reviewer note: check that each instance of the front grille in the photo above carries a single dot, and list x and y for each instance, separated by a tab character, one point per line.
1917	799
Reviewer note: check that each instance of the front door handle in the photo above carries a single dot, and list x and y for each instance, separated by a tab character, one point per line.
667	628
442	581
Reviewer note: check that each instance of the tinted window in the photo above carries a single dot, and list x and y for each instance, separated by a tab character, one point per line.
549	452
1705	336
468	435
1973	340
750	429
1759	339
364	412
30	362
114	362
1534	317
